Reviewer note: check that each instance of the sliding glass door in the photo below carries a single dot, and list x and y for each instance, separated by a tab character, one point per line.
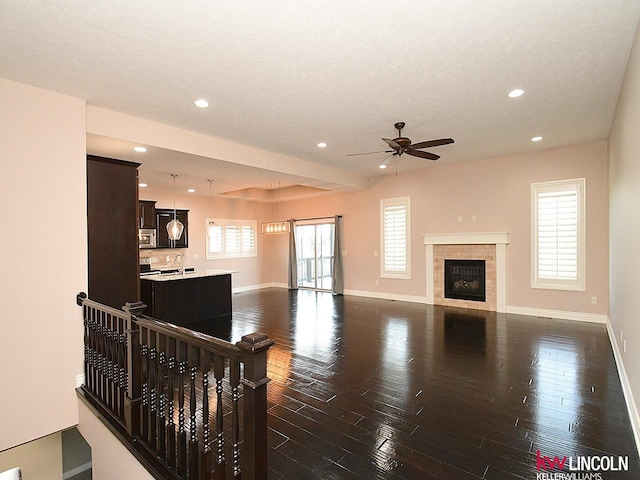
314	245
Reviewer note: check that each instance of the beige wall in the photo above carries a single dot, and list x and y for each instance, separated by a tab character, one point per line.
40	459
497	192
44	196
624	205
110	459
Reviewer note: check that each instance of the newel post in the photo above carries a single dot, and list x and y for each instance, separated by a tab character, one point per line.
254	455
134	368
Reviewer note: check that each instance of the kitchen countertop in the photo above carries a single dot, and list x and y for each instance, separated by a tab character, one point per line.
165	277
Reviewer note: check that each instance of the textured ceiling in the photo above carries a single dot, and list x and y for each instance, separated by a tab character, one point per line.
283	76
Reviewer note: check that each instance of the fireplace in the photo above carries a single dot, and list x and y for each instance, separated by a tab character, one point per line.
465	280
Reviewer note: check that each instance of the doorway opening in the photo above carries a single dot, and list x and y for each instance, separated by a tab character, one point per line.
314	245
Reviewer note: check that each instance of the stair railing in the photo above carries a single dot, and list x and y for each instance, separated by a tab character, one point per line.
194	403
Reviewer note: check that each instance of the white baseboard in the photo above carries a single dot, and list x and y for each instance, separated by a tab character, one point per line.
260	286
387	296
75	471
561	314
626	386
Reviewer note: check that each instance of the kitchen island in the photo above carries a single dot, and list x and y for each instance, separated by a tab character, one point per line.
189	299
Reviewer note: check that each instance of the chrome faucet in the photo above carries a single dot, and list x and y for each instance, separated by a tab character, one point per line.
181	256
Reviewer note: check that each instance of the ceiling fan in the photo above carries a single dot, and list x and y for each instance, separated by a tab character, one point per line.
402	145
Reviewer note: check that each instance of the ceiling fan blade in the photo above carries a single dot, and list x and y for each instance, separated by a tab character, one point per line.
392	143
427	155
368	153
433	143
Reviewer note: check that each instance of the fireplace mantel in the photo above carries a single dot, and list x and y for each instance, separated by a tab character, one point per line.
499	239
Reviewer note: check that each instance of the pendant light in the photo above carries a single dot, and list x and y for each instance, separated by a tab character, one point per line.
279	226
174	227
211	226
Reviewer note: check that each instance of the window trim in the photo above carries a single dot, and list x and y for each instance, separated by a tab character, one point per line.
227	222
577	284
391	202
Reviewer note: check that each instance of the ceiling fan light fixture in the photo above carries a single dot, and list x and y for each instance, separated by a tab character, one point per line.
385	162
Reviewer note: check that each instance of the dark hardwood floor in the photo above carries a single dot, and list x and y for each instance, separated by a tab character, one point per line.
377	389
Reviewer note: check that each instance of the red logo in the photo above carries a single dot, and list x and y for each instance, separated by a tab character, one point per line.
548	463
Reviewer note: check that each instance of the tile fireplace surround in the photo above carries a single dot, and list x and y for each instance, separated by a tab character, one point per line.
490	246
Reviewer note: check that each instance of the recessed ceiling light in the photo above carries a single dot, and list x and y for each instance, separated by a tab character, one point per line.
322	145
191	190
140	149
142	184
201	102
536	139
383	165
516	92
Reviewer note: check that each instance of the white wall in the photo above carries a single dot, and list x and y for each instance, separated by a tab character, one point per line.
624	207
44	261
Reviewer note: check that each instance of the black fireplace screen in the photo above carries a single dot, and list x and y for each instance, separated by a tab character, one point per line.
465	280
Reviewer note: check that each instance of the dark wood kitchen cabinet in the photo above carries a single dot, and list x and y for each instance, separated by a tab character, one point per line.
112	231
147	214
163	217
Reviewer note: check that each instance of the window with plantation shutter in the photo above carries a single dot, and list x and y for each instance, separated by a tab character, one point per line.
394	220
558	233
231	239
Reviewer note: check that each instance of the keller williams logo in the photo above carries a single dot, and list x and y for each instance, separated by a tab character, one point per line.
546	463
592	463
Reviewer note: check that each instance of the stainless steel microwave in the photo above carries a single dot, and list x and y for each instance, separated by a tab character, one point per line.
147	238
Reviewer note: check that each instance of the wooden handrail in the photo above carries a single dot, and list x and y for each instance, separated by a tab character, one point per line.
152	379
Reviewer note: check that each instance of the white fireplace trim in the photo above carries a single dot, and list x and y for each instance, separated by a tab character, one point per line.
499	239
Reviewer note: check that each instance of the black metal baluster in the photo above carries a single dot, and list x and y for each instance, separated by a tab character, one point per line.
181	355
171	428
218	373
162	395
153	390
144	352
234	380
205	366
194	358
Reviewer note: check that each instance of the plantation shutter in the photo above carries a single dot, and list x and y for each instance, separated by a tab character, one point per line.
232	239
395	237
248	238
558	235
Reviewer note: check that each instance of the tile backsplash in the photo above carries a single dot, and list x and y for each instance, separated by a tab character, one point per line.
160	257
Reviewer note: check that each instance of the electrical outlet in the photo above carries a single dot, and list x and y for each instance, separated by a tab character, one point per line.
624	346
594	300
195	256
460	218
377	282
473	218
375	253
